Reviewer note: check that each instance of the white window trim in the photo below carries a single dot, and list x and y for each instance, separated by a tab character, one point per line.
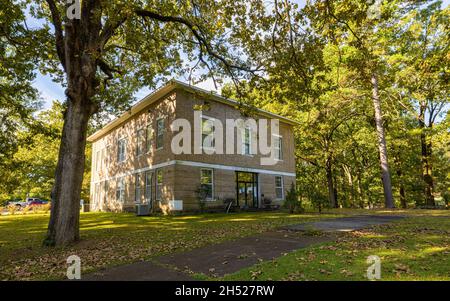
157	132
146	185
280	147
211	199
125	150
97	159
144	151
121	198
136	176
202	116
107	156
282	187
250	154
147	128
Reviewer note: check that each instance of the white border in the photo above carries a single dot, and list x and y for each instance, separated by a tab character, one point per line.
198	164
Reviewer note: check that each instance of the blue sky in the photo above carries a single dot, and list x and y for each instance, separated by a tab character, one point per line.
51	91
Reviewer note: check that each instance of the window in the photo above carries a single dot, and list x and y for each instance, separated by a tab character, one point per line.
278	147
208	133
103	164
120	190
148	138
246	141
137	189
159	183
107	156
159	133
279	187
97	194
206	182
148	186
121	150
140	143
106	192
97	161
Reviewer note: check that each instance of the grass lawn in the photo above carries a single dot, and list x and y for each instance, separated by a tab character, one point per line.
113	238
416	248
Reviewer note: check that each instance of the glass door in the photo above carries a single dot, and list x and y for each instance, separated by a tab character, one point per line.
247	189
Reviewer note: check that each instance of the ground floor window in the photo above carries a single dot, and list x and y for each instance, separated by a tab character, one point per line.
279	187
106	192
206	182
148	186
97	193
120	190
137	189
159	183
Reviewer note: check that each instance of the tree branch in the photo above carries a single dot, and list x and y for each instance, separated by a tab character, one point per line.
194	29
59	37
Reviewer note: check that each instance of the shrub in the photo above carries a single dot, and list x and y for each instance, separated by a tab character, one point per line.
292	201
319	200
12	209
27	209
46	207
202	194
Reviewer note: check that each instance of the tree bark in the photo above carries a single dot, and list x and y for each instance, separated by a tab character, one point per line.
426	156
63	227
80	65
331	192
385	174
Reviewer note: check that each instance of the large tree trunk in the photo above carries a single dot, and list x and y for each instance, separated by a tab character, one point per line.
80	67
330	183
63	227
426	158
385	174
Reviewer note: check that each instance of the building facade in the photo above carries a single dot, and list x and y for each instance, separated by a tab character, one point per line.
133	159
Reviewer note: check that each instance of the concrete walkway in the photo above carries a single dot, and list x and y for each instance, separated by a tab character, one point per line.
345	224
232	256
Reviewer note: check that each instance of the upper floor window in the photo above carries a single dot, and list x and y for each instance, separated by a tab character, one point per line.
97	160
279	187
278	147
108	156
121	149
246	141
160	128
206	182
208	133
120	190
149	138
140	143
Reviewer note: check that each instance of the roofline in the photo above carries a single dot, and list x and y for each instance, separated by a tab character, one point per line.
167	88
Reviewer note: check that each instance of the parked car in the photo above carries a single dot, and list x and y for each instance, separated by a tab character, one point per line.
28	202
37	202
18	203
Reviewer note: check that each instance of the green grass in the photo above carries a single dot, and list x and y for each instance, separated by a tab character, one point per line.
416	248
112	238
412	249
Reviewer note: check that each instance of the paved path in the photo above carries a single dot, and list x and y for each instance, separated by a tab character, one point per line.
345	224
232	256
139	271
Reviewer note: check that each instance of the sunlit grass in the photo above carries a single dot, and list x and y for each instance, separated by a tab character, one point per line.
118	238
416	248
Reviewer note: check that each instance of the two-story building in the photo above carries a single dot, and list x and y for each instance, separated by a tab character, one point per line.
133	159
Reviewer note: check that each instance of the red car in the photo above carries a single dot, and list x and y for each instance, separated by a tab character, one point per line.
37	203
